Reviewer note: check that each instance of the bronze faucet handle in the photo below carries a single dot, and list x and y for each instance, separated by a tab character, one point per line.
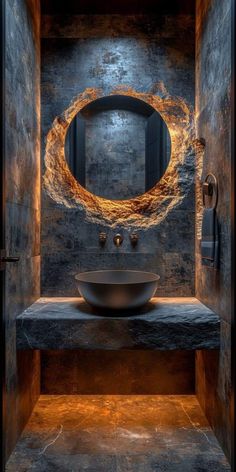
134	239
118	239
102	237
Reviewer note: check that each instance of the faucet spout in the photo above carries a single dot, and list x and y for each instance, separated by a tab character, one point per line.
118	239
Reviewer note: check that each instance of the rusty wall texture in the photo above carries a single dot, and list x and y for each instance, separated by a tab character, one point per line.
22	136
117	372
105	52
213	87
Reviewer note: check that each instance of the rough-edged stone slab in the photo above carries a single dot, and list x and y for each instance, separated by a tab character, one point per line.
165	323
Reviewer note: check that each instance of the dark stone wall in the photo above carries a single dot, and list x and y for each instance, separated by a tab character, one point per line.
213	87
105	51
118	372
22	283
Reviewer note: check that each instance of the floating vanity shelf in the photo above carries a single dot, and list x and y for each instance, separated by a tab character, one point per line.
165	324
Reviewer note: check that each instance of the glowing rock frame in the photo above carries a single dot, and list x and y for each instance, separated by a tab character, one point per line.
144	210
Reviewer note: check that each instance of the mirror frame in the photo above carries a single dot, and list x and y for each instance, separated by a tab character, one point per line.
147	209
156	156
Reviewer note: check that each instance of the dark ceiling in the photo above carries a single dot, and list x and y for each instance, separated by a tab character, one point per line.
114	6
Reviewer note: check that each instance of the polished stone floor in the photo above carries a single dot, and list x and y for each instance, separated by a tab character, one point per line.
111	433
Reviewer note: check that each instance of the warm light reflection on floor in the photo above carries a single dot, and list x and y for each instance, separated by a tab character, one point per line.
117	433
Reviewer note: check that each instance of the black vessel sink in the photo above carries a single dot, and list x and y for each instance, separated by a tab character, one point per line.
117	289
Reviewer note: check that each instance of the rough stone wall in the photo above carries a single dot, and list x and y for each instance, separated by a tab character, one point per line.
102	53
213	87
22	203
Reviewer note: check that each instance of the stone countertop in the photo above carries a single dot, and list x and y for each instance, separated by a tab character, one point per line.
164	324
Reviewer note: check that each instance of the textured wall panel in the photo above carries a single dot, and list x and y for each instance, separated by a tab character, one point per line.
213	87
151	55
22	203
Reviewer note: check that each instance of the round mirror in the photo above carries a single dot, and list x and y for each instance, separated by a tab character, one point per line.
118	147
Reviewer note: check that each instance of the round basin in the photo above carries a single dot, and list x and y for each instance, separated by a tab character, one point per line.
117	289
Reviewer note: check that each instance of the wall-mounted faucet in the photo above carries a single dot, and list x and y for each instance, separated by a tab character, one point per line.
118	239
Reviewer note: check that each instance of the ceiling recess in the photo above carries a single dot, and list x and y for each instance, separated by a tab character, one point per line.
160	7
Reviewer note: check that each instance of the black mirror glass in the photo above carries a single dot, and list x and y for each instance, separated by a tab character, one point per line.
118	147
